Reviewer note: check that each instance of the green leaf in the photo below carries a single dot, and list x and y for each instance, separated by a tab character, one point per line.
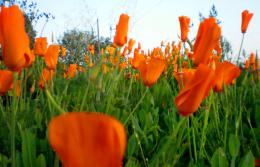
234	145
131	146
3	161
41	162
219	159
248	160
28	149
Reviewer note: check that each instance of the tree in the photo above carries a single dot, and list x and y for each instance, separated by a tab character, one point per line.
76	42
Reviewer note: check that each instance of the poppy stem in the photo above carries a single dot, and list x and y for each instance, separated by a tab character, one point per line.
137	105
240	49
13	120
54	103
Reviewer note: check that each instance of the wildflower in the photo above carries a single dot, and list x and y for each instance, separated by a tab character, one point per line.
246	17
208	37
246	64
131	43
40	46
121	30
6	81
51	56
87	139
63	51
225	73
91	49
47	75
252	59
14	39
184	76
138	57
184	23
151	70
195	90
71	71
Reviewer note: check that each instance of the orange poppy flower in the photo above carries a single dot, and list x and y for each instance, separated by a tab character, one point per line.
184	23
151	70
246	64
63	51
121	30
252	59
40	46
51	56
131	43
91	49
124	51
14	39
246	17
47	75
88	139
195	90
184	76
71	71
208	37
138	57
6	81
225	73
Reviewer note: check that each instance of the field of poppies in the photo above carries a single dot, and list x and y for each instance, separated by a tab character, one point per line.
180	104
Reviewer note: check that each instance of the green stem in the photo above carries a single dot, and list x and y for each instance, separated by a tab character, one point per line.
54	103
253	133
203	138
240	49
13	120
137	105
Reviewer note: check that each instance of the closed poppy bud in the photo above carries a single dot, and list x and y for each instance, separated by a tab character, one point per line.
208	37
246	17
47	75
131	43
6	81
252	59
246	64
84	139
195	90
51	56
40	46
121	30
184	23
151	70
225	73
14	39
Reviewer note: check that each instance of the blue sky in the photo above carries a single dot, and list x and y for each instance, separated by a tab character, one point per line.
152	21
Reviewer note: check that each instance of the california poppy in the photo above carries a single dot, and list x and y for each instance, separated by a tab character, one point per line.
121	30
184	76
246	17
252	59
87	139
151	70
91	49
225	73
63	51
47	75
195	90
40	46
184	24
138	58
131	43
208	37
71	71
14	39
51	56
6	81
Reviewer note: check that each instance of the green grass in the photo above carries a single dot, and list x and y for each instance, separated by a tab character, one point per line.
225	131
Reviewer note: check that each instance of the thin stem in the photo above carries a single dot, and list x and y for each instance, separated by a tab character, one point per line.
13	120
240	49
54	103
137	105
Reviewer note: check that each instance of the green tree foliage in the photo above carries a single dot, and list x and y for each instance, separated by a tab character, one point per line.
76	42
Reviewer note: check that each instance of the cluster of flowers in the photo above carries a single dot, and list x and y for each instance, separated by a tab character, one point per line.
93	136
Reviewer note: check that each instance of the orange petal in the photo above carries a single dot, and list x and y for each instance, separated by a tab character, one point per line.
87	139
